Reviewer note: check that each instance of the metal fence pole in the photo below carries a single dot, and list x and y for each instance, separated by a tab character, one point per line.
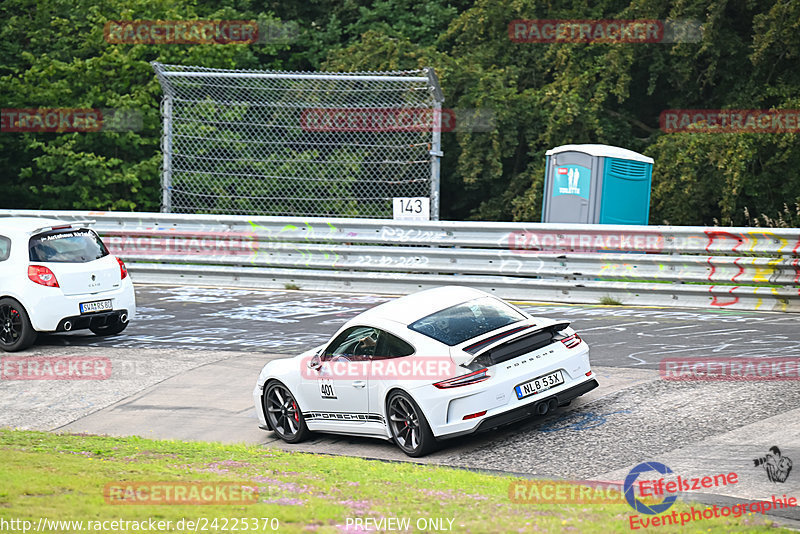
166	150
436	142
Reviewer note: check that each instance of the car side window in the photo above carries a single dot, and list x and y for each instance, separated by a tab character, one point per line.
5	248
355	343
391	346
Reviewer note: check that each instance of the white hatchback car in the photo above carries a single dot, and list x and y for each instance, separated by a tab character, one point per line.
58	276
438	364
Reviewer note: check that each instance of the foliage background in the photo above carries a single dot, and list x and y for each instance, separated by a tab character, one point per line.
52	54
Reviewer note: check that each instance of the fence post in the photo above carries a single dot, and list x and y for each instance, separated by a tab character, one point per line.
166	150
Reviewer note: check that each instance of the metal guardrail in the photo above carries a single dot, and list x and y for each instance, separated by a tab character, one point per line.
716	267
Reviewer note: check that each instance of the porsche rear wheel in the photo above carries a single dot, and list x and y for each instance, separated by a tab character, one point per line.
409	427
283	413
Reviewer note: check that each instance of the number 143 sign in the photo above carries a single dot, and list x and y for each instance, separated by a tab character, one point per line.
411	208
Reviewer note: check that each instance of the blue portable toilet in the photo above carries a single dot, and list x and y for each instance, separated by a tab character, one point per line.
596	184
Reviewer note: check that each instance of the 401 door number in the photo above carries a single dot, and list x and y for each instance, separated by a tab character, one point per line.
326	390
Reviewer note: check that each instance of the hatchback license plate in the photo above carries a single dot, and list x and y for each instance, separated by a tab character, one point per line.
531	387
98	305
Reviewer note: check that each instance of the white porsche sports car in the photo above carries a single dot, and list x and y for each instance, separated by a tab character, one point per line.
434	365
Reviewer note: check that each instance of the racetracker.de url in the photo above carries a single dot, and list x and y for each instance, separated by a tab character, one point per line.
200	524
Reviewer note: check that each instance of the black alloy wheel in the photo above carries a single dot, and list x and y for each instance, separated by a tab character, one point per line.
16	331
283	413
409	427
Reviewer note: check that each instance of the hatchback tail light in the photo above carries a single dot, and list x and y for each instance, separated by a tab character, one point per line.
42	276
123	271
464	380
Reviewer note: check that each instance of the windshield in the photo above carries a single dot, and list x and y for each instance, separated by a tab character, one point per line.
460	323
66	246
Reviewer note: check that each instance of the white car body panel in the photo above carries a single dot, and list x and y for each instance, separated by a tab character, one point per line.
360	406
48	306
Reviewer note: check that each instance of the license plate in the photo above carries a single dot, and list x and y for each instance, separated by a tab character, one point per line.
98	305
531	387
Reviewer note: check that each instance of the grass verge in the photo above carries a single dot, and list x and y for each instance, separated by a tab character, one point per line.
63	476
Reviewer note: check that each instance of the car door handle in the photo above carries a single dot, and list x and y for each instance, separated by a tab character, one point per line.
359	383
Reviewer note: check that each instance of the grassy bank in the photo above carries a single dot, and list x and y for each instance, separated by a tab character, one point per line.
67	477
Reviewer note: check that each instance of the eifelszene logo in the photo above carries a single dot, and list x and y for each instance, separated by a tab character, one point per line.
630	496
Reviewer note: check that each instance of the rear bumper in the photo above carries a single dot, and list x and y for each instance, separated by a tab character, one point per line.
48	307
97	319
527	410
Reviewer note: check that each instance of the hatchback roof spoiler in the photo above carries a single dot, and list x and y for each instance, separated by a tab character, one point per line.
66	224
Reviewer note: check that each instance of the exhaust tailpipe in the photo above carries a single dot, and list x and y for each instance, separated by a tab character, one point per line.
123	317
67	326
542	408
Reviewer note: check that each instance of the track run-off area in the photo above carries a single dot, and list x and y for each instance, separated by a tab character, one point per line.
186	366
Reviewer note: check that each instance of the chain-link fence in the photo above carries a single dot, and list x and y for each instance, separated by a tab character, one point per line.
293	143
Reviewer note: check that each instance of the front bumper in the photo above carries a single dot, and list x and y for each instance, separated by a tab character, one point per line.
258	393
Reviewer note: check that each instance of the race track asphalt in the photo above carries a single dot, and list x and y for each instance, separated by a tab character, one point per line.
186	366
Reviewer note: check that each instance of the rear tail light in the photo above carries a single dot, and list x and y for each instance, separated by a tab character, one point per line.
123	271
42	276
572	341
464	380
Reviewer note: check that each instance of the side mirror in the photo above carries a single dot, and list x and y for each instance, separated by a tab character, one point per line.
315	363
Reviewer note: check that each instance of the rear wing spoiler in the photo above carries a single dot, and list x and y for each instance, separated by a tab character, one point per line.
529	339
62	226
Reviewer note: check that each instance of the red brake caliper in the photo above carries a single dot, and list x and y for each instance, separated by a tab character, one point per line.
296	415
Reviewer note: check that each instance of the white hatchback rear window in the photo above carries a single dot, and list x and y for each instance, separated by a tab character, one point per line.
66	246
